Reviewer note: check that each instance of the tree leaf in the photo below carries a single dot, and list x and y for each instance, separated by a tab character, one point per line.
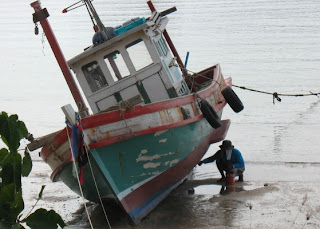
16	226
42	218
15	160
7	193
7	174
26	164
17	205
12	130
11	170
41	191
4	153
11	203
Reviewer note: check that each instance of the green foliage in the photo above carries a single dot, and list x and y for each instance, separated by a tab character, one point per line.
4	153
44	219
11	204
12	131
41	191
12	167
26	164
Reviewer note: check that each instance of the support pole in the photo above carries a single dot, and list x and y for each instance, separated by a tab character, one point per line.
170	43
41	15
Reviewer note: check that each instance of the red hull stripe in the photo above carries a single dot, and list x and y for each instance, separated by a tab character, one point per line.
115	116
149	130
143	132
61	137
138	197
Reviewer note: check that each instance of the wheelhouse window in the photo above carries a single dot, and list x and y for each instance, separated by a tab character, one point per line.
94	76
116	65
139	54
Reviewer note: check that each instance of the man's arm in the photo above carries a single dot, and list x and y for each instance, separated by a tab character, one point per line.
211	159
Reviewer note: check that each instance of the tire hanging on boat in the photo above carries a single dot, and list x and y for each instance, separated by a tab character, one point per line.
210	114
232	99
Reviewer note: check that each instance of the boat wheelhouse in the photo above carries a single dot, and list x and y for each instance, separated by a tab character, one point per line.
137	63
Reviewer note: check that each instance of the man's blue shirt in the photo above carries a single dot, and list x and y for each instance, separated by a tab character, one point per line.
236	158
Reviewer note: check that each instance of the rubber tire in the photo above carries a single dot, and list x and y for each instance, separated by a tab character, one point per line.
232	99
210	114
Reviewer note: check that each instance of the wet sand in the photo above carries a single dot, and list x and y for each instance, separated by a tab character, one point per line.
273	195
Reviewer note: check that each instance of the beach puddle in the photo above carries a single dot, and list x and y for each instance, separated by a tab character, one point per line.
210	189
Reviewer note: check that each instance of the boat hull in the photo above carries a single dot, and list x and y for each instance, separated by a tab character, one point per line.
139	202
93	185
139	173
140	155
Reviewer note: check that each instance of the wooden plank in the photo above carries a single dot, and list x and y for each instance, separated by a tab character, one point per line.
41	141
69	113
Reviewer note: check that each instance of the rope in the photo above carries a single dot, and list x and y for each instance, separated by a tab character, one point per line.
275	94
94	179
77	174
95	183
127	104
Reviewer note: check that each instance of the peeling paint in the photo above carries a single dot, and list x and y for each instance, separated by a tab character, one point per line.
174	162
151	158
148	158
141	175
163	140
144	151
151	165
159	133
156	173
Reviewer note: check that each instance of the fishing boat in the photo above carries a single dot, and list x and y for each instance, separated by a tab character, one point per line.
150	120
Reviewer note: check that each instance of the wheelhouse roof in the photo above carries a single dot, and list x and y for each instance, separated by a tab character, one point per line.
94	49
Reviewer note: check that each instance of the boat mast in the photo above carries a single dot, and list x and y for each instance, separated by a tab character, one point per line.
93	12
41	15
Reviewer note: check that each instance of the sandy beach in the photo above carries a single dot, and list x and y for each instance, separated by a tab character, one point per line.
273	195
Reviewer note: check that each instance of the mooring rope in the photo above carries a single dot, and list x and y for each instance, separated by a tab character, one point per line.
94	179
95	183
78	179
275	95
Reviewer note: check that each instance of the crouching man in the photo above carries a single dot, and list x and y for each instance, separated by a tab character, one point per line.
228	159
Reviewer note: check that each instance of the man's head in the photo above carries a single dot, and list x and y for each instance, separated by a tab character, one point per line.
226	144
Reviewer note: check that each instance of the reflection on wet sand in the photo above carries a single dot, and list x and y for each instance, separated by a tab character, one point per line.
195	204
261	201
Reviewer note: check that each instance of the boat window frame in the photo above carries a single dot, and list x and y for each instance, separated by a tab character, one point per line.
113	67
145	51
94	87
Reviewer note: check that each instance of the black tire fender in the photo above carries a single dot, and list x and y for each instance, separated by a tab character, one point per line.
210	114
232	99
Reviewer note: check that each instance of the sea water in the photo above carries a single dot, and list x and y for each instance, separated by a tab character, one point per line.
270	46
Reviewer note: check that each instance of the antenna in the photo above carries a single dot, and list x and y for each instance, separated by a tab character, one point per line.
72	7
97	23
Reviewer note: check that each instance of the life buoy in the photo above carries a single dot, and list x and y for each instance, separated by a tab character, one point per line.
232	99
210	114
